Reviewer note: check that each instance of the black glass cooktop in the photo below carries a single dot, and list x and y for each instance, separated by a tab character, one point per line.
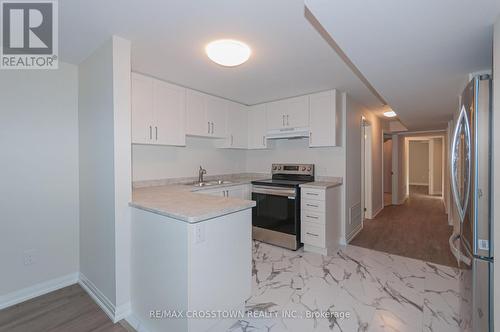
279	183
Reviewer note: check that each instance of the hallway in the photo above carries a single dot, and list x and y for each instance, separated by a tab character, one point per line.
416	229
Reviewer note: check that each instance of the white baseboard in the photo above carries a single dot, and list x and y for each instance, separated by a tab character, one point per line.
42	288
114	313
136	323
403	200
354	232
419	184
374	215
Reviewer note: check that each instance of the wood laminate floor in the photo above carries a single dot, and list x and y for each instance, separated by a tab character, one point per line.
417	229
69	309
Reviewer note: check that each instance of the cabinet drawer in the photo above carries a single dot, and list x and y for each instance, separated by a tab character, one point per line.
313	205
314	217
309	193
313	234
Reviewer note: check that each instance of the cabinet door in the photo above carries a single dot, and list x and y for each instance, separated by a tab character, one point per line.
297	112
276	114
215	192
325	116
242	192
169	109
196	117
237	129
142	109
216	115
257	127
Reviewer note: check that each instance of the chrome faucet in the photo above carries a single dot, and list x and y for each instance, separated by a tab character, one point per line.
200	174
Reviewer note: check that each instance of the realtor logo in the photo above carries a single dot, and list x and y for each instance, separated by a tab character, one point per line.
29	34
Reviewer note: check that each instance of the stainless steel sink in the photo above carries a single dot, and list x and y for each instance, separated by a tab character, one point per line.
209	183
220	182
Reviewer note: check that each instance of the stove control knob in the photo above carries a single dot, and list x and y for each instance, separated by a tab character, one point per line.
274	168
309	169
303	169
279	168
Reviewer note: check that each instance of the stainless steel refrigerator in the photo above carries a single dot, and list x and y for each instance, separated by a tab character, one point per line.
471	186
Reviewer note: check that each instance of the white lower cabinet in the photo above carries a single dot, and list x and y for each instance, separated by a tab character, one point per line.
236	191
320	219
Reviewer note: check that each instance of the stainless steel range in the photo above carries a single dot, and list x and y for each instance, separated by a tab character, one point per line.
276	217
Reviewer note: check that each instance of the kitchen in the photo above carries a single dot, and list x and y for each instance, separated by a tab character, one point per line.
149	182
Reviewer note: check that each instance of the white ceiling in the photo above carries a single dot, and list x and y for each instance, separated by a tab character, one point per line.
168	38
417	53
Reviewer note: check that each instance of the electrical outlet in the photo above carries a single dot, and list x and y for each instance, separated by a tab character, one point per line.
29	257
199	233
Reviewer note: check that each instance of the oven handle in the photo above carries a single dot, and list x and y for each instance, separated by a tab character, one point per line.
290	193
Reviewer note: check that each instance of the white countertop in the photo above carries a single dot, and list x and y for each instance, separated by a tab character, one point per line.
323	184
180	201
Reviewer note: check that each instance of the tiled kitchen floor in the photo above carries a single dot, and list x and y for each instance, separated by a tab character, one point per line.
381	292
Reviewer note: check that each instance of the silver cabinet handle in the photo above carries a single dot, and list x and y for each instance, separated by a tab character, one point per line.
283	120
232	140
310	137
156	132
150	132
212	127
312	234
287	118
461	202
312	194
263	140
313	217
208	127
311	205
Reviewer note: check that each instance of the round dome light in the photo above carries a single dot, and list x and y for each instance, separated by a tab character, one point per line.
228	52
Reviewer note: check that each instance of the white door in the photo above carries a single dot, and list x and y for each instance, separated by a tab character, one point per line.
257	127
297	112
142	109
322	119
237	128
169	109
276	115
196	117
216	115
215	192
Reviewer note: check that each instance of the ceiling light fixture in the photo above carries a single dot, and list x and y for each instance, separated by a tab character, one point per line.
390	114
228	52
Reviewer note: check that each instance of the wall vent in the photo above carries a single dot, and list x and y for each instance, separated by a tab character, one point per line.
355	214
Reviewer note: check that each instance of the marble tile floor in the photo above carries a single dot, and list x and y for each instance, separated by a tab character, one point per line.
357	289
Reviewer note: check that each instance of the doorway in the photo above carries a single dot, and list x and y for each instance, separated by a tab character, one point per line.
387	167
366	170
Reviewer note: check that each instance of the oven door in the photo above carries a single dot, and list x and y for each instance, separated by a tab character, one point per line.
275	217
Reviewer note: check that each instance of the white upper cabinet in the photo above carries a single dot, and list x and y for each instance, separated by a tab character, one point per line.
288	113
216	115
142	109
205	115
237	129
196	115
257	127
158	112
169	105
325	121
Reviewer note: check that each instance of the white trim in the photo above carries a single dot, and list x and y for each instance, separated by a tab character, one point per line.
418	184
42	288
354	232
136	323
115	314
377	212
402	201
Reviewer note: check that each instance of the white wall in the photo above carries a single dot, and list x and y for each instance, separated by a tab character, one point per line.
496	167
354	113
328	161
419	162
159	162
105	171
38	175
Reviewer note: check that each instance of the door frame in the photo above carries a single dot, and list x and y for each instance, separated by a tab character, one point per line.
366	170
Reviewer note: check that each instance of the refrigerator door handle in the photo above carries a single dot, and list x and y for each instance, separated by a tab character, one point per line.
461	202
454	238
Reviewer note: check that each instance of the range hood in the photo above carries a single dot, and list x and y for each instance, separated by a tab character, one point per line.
284	133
